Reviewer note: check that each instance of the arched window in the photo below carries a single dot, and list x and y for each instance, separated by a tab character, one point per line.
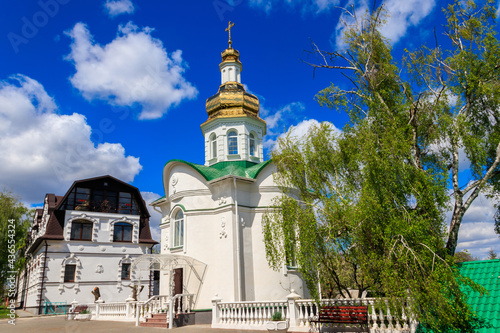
232	143
251	141
122	232
81	230
213	146
178	229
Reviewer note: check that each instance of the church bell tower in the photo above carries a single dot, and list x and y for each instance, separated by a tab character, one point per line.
233	131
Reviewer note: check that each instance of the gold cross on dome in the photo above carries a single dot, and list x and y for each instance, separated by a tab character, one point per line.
229	26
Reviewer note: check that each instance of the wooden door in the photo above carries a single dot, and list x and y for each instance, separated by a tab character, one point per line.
178	288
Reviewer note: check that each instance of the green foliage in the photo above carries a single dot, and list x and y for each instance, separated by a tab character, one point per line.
464	256
365	208
277	316
492	255
14	222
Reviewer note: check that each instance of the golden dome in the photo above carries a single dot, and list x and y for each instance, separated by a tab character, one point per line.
232	101
230	55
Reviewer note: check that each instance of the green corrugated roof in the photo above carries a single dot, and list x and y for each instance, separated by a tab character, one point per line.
234	168
487	274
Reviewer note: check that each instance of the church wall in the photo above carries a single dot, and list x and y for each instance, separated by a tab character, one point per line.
210	237
210	240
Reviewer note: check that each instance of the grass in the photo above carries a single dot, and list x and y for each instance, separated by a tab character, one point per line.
4	312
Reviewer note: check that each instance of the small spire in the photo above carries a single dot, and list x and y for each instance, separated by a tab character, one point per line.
229	26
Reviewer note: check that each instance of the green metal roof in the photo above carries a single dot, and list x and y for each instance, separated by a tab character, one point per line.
487	274
234	168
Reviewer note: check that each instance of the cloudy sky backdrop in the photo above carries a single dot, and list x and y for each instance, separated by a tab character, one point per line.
118	87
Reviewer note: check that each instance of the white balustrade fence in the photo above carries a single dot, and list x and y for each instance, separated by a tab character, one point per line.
132	310
248	314
297	312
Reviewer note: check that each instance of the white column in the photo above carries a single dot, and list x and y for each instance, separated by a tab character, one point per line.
292	308
97	307
215	310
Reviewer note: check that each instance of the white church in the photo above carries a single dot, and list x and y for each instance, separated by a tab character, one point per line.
212	213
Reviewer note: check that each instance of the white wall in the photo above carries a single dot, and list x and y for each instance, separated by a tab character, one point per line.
210	235
98	263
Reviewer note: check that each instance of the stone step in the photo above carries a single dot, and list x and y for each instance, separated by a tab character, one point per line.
159	315
148	324
156	320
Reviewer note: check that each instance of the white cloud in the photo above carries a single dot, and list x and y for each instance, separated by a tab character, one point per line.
402	15
301	130
155	219
44	152
279	120
477	229
118	7
278	117
347	20
133	69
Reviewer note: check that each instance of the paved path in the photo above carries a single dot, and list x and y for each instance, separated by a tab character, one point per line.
60	324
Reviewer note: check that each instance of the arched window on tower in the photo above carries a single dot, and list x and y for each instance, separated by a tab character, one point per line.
178	224
213	146
232	143
251	144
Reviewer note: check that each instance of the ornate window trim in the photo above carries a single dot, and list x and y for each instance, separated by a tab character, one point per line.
73	260
126	259
85	217
135	229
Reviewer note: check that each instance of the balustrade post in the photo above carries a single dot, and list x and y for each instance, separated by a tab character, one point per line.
128	312
137	311
292	308
97	307
215	310
71	314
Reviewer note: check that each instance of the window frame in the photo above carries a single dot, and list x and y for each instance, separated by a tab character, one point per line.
121	226
102	200
66	273
232	142
252	148
178	232
129	265
81	223
213	145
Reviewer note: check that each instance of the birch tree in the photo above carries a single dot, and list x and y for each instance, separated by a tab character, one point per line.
365	208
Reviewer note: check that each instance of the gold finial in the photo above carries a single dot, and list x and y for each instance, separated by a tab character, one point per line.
229	26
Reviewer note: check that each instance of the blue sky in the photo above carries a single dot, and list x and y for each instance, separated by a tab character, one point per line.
119	87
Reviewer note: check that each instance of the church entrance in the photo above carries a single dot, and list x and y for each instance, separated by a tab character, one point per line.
178	287
178	274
